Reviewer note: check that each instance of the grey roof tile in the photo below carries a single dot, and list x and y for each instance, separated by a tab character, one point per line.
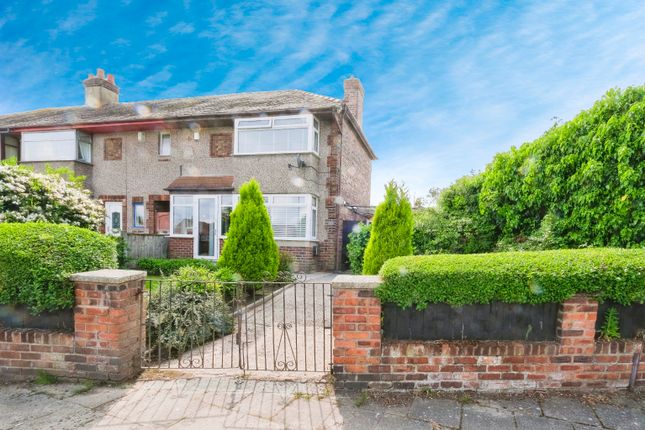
222	105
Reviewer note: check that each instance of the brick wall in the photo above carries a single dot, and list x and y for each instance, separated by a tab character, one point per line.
180	247
221	145
303	257
575	361
106	340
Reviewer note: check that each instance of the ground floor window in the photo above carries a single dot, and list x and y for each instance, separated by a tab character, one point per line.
138	217
293	216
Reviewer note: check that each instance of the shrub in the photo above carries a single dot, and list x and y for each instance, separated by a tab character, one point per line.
168	266
26	196
250	249
122	251
185	313
391	233
515	277
37	259
358	239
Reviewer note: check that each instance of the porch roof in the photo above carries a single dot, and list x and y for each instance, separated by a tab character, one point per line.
196	184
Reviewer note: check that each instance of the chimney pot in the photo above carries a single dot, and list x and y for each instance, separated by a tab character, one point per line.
100	73
353	97
110	78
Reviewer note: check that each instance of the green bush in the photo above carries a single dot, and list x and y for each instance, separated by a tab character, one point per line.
250	249
168	266
187	311
391	233
358	239
515	277
37	259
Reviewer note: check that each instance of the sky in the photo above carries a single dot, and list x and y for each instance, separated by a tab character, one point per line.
447	84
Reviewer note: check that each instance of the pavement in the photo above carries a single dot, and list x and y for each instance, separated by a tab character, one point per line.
175	400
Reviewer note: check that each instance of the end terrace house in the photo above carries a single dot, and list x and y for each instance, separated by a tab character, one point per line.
174	167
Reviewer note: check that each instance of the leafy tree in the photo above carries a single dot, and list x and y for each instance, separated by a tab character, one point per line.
250	249
391	233
358	240
582	183
28	196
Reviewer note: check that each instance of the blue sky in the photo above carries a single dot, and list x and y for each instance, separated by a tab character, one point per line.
448	84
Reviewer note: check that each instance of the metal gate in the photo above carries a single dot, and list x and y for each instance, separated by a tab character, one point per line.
283	326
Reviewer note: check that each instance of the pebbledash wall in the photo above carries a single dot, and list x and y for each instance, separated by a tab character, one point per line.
106	340
362	359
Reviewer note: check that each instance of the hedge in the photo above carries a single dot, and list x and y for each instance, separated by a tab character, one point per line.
514	277
37	259
165	266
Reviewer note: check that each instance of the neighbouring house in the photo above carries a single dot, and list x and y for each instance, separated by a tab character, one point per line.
173	167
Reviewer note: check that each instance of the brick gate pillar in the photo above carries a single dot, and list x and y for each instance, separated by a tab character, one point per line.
356	328
107	324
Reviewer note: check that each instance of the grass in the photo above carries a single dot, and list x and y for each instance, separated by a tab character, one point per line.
153	282
44	378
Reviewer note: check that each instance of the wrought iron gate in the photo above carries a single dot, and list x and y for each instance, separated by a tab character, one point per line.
283	326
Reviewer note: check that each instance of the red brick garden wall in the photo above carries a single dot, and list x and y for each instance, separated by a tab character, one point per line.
362	359
106	341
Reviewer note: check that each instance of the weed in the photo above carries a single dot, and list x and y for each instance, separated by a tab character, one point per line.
465	399
300	395
44	378
361	399
86	386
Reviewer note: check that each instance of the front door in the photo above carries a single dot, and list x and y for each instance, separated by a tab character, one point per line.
113	218
206	237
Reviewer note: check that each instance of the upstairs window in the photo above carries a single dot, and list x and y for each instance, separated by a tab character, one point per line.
60	145
10	147
84	148
274	135
164	144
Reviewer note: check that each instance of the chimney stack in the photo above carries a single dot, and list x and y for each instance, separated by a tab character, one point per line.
353	98
99	90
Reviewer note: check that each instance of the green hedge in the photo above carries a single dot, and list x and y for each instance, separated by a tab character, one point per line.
515	277
37	259
168	266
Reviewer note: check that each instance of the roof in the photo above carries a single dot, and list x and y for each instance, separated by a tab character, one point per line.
201	183
184	108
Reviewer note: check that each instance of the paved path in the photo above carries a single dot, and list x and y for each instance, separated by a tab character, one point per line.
234	402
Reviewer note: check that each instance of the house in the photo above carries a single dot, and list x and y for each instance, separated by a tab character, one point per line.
174	167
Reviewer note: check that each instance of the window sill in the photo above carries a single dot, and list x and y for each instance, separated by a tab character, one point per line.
277	153
163	158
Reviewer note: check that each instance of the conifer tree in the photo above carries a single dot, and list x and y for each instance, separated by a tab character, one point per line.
391	234
250	249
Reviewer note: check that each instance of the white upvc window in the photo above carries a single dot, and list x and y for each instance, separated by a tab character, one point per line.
277	135
181	215
59	145
314	217
164	144
293	216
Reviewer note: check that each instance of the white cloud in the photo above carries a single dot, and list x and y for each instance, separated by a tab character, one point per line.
182	89
156	19
78	18
182	28
156	80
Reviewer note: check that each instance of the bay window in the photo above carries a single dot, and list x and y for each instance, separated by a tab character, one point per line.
60	145
293	216
274	135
